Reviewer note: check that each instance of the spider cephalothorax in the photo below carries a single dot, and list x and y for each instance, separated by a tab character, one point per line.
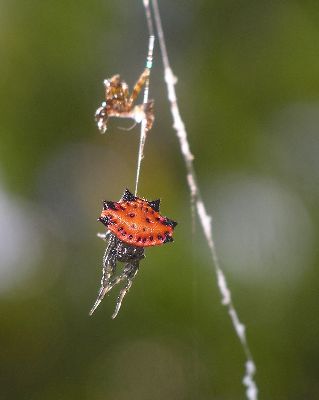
119	103
132	224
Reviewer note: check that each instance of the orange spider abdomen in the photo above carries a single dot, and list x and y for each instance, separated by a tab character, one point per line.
137	221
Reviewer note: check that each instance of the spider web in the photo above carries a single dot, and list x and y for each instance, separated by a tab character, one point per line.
204	218
149	63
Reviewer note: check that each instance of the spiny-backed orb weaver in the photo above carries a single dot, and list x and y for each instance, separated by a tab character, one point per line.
119	103
132	223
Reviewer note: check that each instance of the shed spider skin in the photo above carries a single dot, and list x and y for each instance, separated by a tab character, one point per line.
119	103
132	223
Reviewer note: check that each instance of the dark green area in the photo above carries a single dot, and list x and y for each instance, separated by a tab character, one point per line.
248	87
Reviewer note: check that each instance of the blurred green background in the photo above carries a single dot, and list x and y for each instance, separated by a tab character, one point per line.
248	90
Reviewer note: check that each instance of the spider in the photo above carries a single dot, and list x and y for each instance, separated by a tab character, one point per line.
119	103
132	223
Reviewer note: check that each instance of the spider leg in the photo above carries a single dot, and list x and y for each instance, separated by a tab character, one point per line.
149	114
103	235
126	274
129	128
130	271
138	85
141	111
101	117
109	264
